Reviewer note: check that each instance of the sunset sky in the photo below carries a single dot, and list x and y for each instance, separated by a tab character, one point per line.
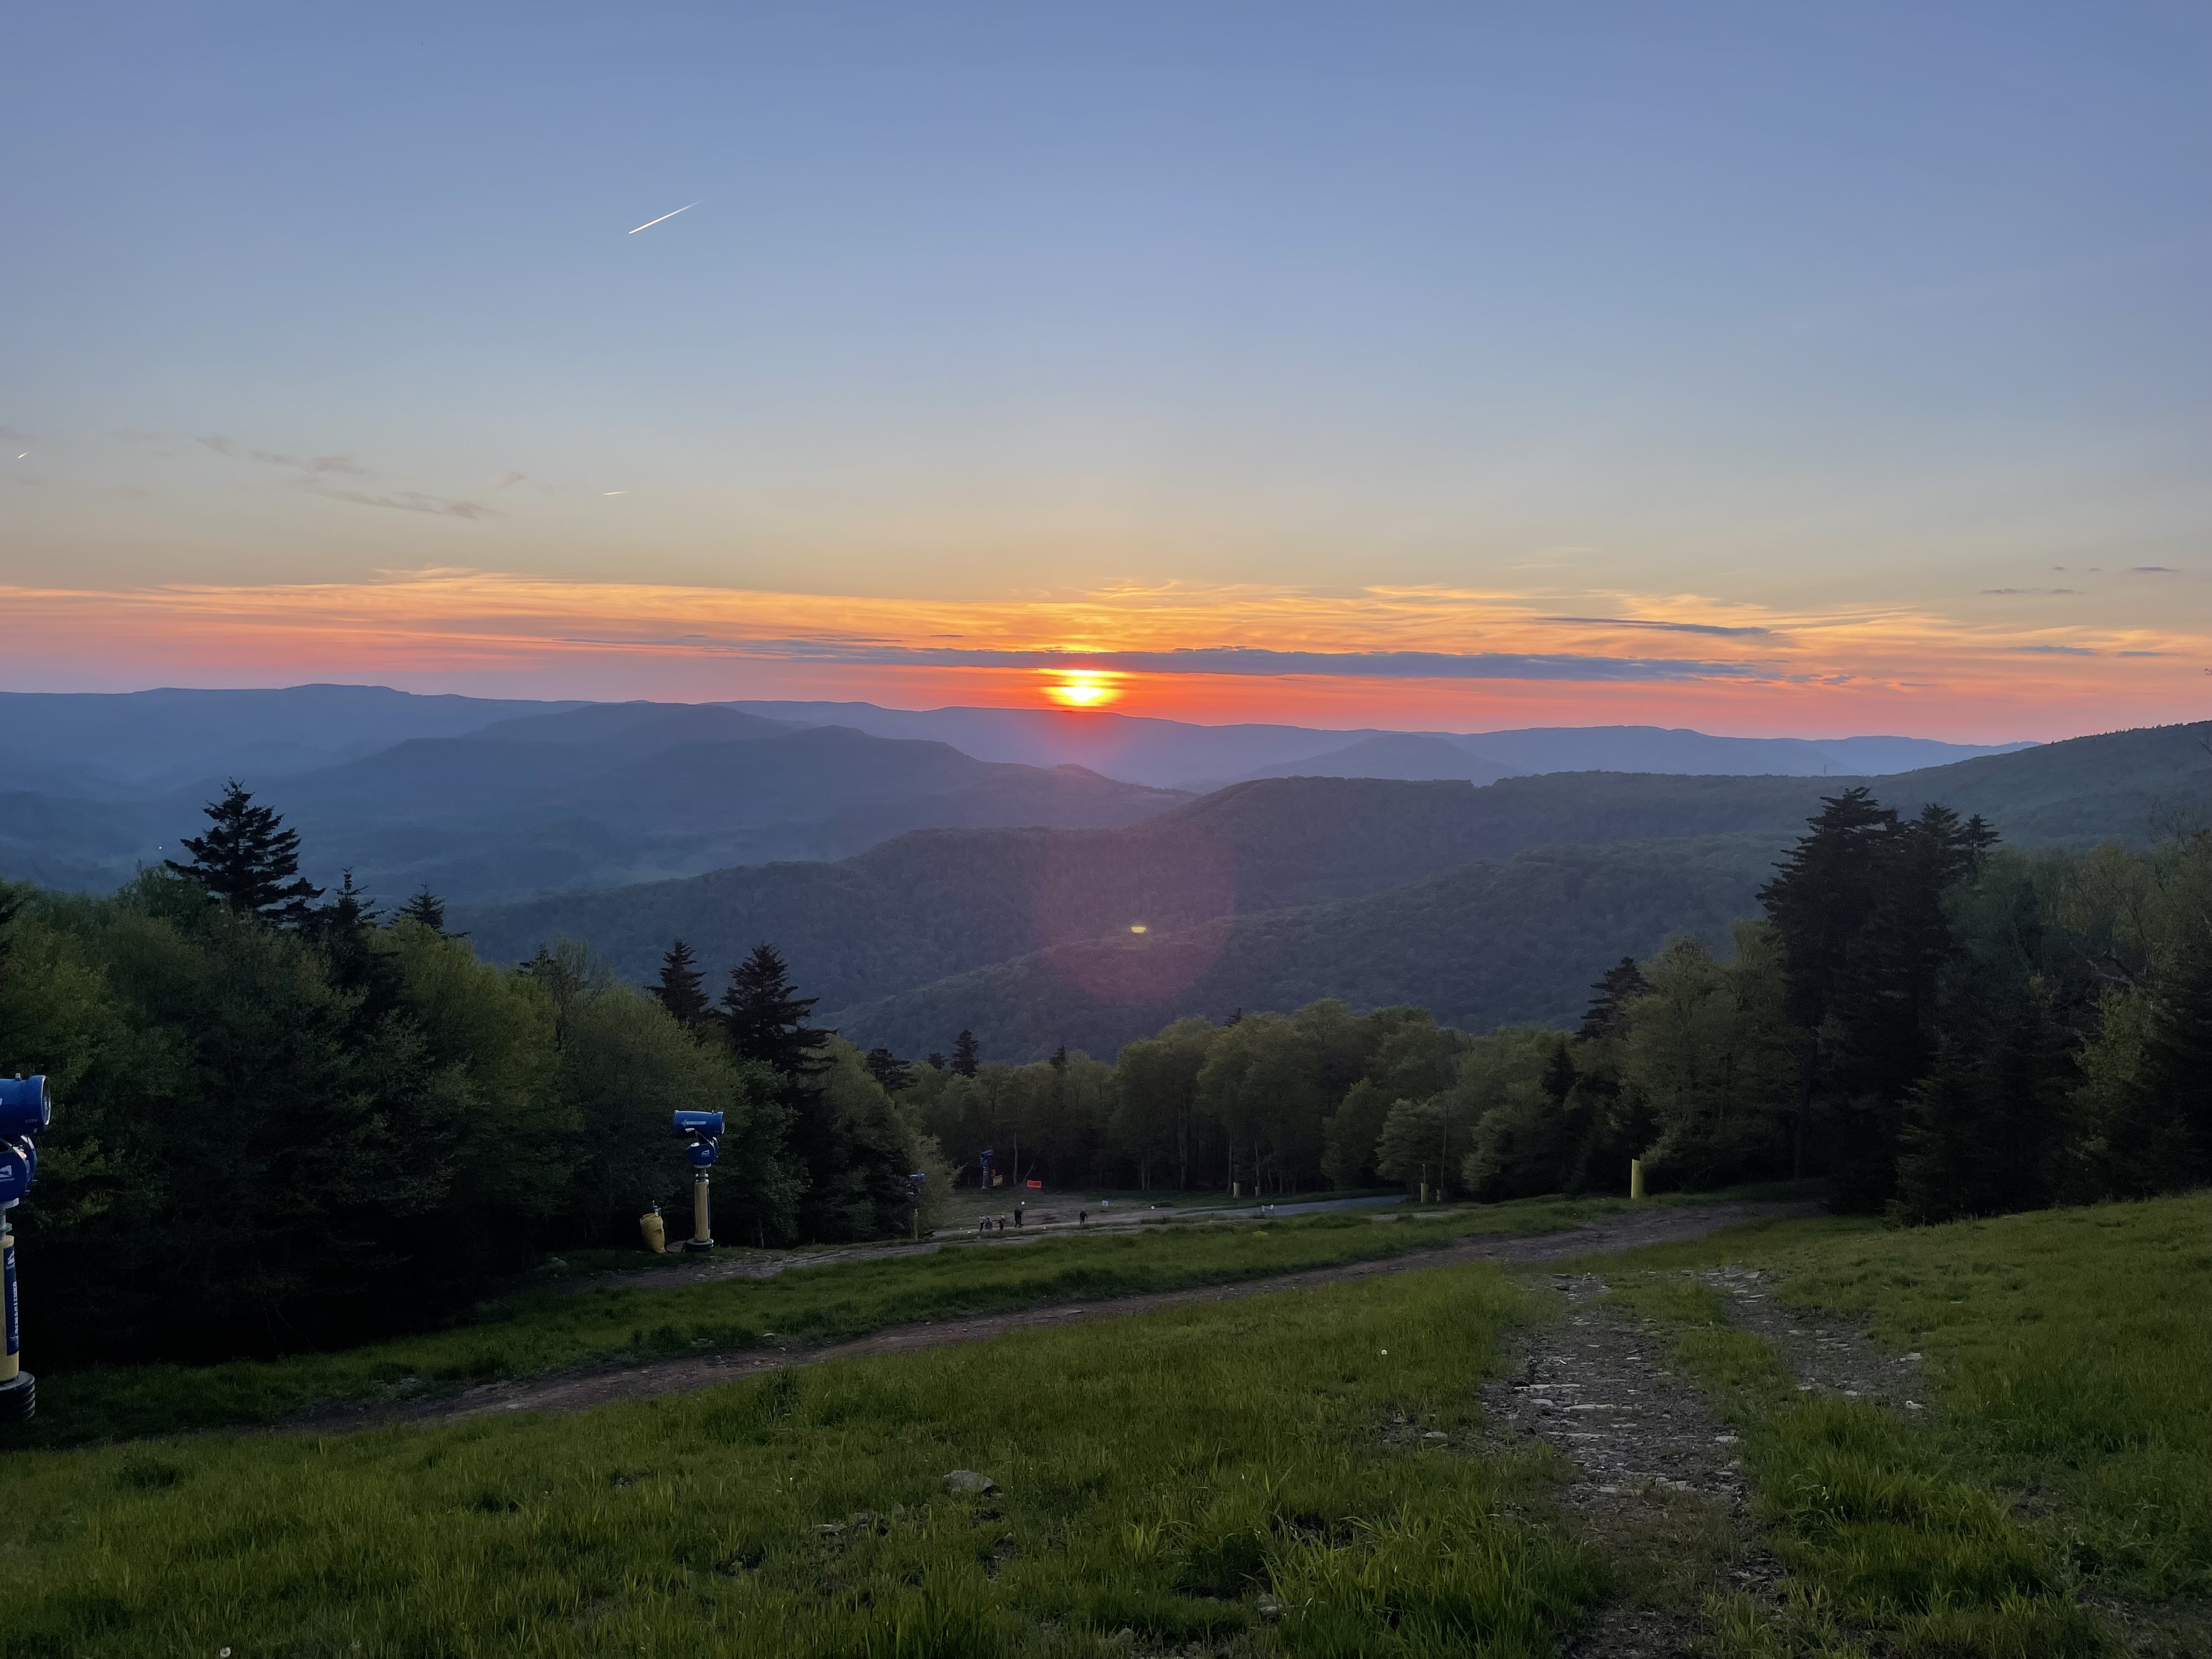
1765	369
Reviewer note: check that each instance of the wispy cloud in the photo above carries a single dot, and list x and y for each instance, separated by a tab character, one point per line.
313	474
2042	593
510	479
1716	631
1235	650
1235	660
2152	570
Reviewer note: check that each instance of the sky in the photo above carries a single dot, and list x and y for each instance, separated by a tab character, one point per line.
1807	370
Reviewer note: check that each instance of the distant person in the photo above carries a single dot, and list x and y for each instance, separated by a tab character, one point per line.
1020	1210
1083	1217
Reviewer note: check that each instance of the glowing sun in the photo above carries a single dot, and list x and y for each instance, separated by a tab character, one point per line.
1080	689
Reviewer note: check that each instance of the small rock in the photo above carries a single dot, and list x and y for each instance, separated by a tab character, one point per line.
1436	1434
967	1480
830	1529
1269	1608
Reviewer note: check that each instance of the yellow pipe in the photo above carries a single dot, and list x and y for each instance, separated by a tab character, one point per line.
1636	1177
700	1232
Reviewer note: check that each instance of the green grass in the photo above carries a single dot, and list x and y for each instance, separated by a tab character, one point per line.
1880	1530
550	1327
2068	1353
1161	1475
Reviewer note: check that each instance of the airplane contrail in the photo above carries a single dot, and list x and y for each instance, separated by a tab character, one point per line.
650	223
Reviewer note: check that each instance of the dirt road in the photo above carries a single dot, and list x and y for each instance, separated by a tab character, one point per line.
580	1389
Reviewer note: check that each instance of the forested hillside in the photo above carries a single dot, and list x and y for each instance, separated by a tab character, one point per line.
1485	945
940	903
595	796
1936	1024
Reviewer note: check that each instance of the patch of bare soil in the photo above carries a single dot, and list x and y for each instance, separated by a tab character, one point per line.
583	1388
1658	1486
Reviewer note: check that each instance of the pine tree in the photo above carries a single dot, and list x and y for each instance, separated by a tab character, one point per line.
348	912
426	908
249	860
1622	984
1558	1079
682	989
766	1021
934	1060
964	1053
888	1069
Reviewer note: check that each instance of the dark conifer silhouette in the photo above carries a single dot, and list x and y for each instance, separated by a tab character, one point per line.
1623	982
934	1060
1559	1075
888	1069
964	1053
426	908
348	912
249	860
681	987
766	1021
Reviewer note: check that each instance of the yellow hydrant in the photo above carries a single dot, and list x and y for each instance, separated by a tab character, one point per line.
656	1233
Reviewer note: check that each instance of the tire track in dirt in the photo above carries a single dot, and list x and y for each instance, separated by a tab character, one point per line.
582	1389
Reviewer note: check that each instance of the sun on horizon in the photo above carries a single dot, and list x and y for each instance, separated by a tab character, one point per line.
1083	689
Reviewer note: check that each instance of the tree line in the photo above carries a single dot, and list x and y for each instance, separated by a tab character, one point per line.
1937	1025
285	1119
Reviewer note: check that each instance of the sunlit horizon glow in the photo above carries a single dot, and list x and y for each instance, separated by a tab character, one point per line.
1765	371
1084	690
1428	658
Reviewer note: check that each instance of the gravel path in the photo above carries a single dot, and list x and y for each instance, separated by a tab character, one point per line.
583	1388
1657	1484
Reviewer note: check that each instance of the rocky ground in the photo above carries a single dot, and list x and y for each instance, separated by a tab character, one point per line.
1657	1485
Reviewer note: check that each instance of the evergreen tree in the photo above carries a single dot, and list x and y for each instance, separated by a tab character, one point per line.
426	908
2177	1073
249	860
964	1053
682	989
1622	984
1859	904
345	928
934	1060
766	1020
348	912
888	1070
1558	1080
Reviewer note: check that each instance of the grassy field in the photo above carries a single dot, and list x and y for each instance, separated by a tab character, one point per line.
2070	1355
1219	1474
1237	1474
549	1327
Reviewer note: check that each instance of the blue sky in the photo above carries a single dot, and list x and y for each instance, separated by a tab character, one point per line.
1753	313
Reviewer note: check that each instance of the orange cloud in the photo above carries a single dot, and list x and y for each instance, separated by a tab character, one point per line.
1429	656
